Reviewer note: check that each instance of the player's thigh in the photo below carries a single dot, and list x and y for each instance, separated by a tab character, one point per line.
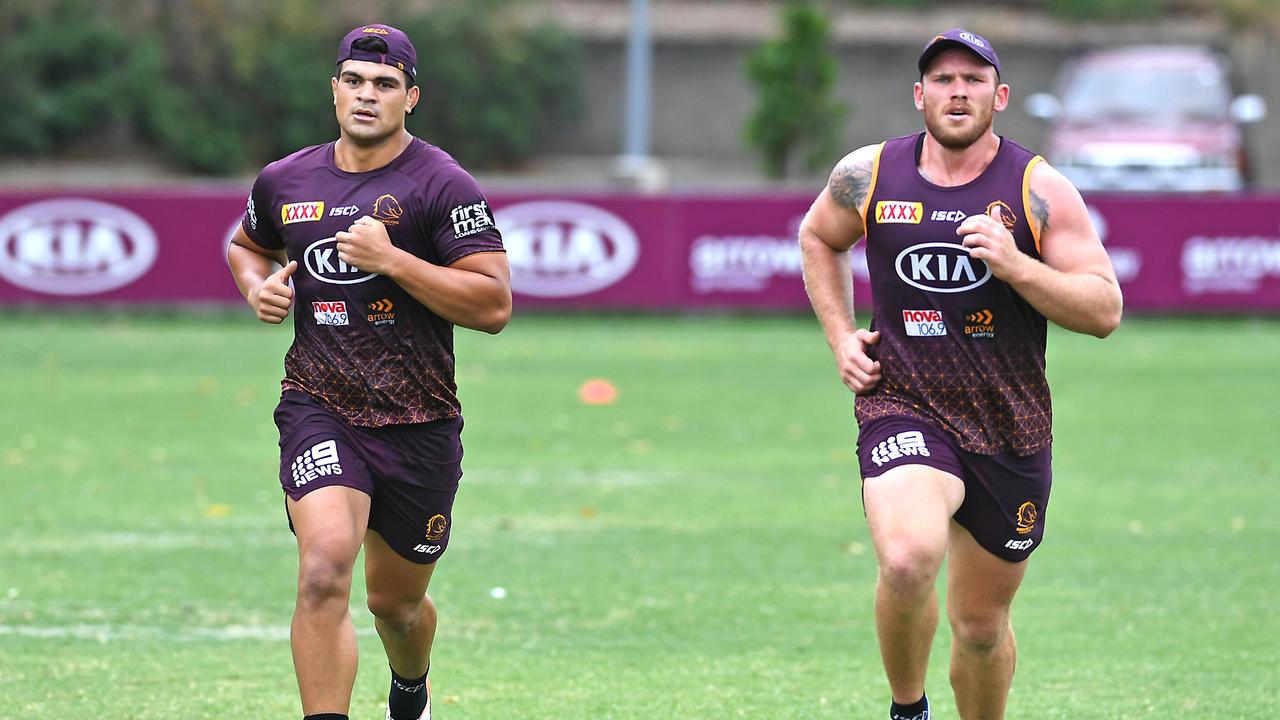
910	483
326	481
330	524
391	579
980	585
417	471
909	508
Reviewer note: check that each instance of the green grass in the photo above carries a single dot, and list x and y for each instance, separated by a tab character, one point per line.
696	550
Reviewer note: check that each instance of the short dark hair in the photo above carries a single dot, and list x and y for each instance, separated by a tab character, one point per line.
372	43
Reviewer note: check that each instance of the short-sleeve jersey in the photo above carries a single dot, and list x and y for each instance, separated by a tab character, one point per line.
958	347
363	347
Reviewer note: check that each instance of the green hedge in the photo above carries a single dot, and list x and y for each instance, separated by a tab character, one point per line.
225	86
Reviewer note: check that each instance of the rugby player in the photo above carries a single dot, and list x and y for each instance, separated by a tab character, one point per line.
379	243
973	243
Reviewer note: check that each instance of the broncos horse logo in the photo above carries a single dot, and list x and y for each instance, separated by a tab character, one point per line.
387	209
436	527
1027	516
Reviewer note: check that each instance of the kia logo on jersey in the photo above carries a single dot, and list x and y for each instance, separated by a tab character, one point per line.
941	267
75	247
323	263
565	249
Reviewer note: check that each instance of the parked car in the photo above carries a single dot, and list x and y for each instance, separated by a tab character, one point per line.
1154	118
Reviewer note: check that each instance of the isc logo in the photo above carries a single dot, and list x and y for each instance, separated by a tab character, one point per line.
941	267
1019	544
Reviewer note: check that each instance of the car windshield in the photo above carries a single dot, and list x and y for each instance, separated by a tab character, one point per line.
1158	94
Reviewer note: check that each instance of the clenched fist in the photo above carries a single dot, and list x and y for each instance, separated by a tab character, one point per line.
274	296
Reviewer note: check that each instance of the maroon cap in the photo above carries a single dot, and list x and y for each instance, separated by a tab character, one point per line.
957	37
400	53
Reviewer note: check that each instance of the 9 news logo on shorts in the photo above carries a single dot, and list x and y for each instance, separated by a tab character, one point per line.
74	247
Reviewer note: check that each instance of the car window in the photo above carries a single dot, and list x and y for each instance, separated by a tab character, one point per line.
1168	94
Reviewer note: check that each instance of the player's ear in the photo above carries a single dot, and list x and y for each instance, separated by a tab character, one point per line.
1002	96
414	96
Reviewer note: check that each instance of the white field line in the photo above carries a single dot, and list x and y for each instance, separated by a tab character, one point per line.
604	478
148	541
109	632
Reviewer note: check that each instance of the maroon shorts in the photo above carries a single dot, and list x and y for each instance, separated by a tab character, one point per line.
409	472
1005	495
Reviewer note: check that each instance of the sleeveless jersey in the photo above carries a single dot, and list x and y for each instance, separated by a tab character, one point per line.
958	347
363	347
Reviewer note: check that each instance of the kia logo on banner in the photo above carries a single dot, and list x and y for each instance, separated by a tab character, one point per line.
74	247
564	249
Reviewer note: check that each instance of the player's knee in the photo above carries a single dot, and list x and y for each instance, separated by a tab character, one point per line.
909	569
322	580
397	610
979	631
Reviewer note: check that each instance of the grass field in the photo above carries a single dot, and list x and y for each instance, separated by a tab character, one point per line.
696	550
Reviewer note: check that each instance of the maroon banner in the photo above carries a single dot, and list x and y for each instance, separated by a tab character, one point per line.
1199	254
1186	254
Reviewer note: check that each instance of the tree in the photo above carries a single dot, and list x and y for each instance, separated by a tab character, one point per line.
796	118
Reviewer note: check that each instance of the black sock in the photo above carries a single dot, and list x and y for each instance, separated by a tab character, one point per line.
407	698
918	710
326	716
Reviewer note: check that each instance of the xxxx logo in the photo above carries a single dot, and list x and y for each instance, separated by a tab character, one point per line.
897	211
301	212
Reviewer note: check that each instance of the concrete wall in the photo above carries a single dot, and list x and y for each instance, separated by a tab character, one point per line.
702	97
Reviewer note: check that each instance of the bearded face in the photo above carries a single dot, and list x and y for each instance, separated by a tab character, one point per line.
956	123
959	95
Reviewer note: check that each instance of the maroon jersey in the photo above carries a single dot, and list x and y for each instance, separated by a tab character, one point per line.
958	347
363	347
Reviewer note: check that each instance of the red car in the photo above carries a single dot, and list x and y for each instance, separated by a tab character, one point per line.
1157	118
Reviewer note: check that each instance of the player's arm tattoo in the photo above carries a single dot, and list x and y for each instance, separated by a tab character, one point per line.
850	182
1040	209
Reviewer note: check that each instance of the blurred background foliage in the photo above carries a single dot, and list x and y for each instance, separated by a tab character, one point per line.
224	86
796	120
220	87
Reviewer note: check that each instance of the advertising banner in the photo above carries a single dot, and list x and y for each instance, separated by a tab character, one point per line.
579	251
